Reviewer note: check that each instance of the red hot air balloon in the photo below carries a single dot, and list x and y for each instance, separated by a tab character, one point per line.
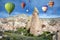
51	3
44	8
23	4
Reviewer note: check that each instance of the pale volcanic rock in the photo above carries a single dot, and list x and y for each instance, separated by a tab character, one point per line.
35	23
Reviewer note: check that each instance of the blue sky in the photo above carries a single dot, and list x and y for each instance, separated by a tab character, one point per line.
51	12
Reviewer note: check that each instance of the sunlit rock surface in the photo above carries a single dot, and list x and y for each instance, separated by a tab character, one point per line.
35	27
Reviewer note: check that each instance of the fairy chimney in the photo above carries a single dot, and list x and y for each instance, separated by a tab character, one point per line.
35	23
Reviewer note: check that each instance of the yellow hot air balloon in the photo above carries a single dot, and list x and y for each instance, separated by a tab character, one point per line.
9	7
44	8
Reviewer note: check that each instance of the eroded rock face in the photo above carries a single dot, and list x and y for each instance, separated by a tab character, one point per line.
35	23
38	26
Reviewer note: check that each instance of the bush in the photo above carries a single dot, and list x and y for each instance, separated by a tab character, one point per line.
31	38
27	36
44	36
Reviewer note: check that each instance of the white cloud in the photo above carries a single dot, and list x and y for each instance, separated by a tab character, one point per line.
3	14
48	16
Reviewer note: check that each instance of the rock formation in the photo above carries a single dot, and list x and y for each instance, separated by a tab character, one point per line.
35	23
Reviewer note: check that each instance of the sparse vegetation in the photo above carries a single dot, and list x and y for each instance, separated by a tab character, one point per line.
26	35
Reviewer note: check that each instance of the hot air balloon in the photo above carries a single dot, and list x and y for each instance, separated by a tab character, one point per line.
23	4
51	3
27	10
9	7
44	8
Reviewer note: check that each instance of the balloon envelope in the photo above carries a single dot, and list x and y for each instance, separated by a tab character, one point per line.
9	7
27	10
51	3
44	8
23	4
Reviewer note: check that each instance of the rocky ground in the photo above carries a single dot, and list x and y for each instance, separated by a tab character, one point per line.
51	24
54	24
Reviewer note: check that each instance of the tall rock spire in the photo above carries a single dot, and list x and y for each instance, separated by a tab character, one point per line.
36	10
35	23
